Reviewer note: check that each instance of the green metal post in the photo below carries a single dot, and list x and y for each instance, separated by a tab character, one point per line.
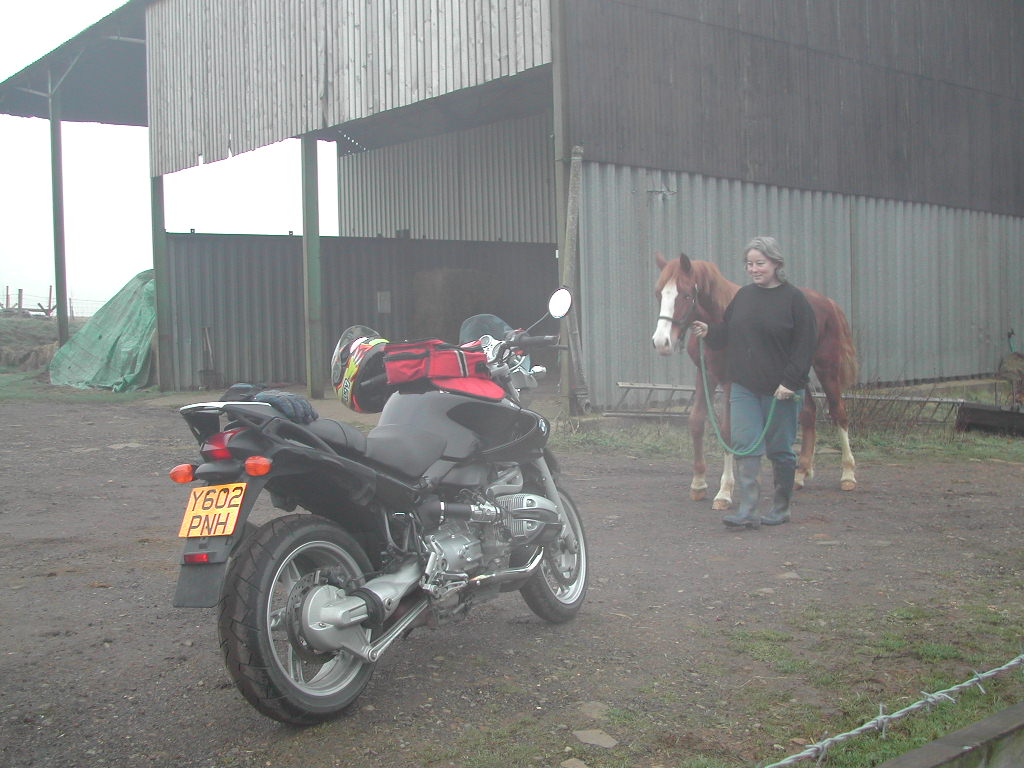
166	374
562	158
57	189
315	365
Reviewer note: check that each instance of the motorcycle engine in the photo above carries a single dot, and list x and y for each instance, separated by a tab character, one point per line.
470	546
460	548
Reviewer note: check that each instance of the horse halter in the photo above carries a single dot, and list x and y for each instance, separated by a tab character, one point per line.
688	314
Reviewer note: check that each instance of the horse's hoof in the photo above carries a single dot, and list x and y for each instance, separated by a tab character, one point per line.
721	504
848	485
698	495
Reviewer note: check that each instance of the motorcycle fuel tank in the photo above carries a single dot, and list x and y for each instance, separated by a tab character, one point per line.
472	428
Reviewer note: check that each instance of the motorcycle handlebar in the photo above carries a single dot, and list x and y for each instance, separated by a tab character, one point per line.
522	341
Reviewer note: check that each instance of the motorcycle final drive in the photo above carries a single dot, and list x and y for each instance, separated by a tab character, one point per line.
453	498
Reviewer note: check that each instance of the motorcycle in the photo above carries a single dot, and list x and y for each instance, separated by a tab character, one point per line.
452	499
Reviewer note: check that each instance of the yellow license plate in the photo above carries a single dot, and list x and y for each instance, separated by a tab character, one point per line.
212	510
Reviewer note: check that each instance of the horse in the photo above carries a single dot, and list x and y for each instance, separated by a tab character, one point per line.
689	290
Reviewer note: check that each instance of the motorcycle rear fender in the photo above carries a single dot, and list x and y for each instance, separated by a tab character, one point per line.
199	584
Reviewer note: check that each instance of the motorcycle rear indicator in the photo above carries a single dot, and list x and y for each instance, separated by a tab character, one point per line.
256	466
183	473
216	446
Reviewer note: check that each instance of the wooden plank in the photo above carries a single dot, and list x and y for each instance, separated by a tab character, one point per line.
989	418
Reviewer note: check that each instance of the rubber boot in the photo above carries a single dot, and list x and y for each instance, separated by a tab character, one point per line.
747	470
784	475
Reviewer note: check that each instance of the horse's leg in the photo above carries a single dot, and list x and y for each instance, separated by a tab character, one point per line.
698	412
808	436
837	412
848	480
723	500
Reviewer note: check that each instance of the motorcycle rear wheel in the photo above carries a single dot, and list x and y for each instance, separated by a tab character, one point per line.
557	590
282	680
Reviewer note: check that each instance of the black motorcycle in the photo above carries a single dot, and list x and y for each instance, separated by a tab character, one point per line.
451	499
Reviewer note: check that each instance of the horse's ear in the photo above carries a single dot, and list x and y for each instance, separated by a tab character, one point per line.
660	260
684	262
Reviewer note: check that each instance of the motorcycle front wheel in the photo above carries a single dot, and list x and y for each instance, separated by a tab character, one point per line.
557	590
274	669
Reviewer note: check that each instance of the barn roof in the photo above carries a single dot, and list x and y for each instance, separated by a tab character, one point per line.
101	74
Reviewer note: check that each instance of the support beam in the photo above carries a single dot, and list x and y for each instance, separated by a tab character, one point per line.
316	366
560	128
167	378
57	190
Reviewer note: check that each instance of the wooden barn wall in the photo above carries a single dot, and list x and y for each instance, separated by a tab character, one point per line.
494	182
930	291
913	100
226	76
243	294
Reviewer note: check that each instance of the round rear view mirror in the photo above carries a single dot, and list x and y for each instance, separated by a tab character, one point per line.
559	303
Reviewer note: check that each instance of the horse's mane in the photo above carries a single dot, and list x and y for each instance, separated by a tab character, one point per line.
715	284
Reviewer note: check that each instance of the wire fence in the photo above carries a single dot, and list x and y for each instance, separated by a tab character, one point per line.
819	751
22	303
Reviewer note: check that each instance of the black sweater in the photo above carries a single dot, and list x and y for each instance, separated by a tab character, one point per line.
769	335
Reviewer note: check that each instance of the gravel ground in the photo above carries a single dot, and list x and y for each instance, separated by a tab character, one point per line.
98	668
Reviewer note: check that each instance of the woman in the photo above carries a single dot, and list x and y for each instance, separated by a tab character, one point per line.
769	334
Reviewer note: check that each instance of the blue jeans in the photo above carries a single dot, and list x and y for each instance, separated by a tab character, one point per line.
748	412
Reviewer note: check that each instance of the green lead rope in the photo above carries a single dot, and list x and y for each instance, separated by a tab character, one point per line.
714	419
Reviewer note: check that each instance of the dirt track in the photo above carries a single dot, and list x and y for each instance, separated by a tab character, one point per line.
99	669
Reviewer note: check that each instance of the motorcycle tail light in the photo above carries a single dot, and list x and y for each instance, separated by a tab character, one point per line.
258	465
183	473
196	558
216	446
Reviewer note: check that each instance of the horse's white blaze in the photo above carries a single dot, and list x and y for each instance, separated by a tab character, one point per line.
662	337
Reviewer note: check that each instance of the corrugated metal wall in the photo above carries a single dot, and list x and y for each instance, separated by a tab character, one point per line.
903	99
245	294
930	292
495	182
226	77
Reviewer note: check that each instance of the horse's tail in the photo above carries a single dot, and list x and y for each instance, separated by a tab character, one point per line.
849	368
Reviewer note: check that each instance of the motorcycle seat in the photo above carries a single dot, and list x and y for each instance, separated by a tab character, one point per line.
343	438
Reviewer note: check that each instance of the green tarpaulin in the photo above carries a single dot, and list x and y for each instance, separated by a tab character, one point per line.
112	350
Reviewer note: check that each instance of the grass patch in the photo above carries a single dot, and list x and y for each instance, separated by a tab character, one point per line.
919	728
936	652
35	386
649	440
24	333
770	648
869	443
523	742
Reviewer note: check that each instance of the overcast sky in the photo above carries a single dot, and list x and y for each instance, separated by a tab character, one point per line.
106	181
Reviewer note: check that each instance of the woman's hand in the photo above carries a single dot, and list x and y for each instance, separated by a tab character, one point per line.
700	330
784	393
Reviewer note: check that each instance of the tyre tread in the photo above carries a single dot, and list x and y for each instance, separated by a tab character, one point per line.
239	620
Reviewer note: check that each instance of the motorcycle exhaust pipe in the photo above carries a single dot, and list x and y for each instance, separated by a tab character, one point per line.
512	574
